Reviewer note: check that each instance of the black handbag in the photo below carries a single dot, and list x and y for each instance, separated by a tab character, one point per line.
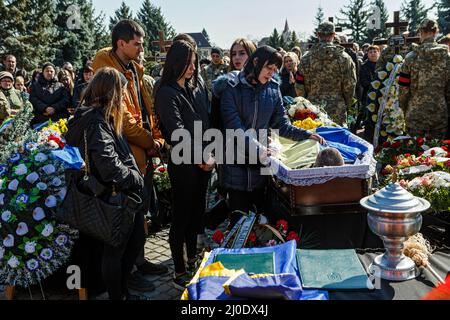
97	211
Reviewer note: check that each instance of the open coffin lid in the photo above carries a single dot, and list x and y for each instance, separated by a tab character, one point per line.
363	166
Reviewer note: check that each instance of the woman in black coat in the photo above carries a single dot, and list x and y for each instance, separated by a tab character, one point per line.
111	162
181	105
50	99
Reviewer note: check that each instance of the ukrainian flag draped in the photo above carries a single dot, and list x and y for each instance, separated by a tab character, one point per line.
214	282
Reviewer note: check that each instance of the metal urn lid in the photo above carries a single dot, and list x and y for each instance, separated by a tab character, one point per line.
394	199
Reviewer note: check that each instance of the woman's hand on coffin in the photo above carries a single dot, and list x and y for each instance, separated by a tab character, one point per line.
318	138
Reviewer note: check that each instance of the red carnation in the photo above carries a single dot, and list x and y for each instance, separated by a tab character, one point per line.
447	164
57	140
433	152
386	144
396	144
407	155
251	237
445	148
293	236
447	142
420	141
218	237
162	169
282	225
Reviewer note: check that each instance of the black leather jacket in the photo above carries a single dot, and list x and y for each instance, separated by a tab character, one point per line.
110	157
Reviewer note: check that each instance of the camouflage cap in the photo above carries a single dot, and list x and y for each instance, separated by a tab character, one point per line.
428	25
326	28
5	74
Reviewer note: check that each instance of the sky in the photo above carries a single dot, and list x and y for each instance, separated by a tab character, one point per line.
227	20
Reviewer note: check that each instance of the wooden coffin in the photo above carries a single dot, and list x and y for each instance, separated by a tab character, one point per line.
340	195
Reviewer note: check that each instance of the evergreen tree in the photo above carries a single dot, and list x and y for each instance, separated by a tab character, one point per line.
205	34
32	39
101	33
124	12
76	23
414	12
384	17
444	16
319	18
153	21
274	39
355	20
295	42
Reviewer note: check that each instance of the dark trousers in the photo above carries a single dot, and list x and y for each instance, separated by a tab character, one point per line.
247	200
189	185
117	263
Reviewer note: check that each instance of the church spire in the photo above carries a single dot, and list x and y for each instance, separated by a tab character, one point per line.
286	27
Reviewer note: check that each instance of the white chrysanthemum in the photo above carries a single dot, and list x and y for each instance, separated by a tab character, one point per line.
48	230
32	264
56	182
8	242
49	169
41	186
51	202
30	247
38	214
22	229
292	111
41	157
13	262
6	215
32	177
21	169
13	185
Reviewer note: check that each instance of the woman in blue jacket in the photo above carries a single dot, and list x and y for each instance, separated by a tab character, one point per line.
252	101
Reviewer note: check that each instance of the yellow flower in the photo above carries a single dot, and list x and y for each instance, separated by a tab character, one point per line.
398	58
374	118
383	133
390	66
371	107
372	95
376	84
382	75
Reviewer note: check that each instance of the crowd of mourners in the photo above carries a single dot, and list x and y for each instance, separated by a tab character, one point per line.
128	118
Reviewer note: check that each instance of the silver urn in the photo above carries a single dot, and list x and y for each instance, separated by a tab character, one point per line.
394	215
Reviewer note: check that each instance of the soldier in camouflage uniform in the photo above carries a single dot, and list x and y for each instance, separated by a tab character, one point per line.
214	70
12	101
327	75
425	85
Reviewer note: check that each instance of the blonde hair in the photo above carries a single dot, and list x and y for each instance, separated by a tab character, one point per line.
106	91
295	59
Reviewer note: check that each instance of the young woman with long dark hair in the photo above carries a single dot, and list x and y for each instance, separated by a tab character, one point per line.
253	101
179	107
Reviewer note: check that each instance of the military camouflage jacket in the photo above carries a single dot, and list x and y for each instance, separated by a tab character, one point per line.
327	76
212	72
12	101
425	88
